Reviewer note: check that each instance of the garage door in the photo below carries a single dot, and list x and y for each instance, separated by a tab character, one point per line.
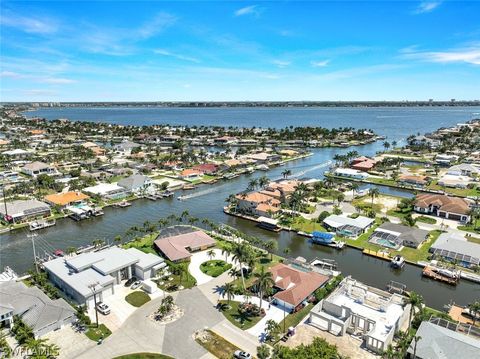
107	292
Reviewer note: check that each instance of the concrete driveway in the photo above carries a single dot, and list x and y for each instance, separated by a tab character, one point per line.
70	342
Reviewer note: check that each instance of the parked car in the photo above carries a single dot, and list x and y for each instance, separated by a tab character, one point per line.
103	308
242	355
136	284
129	282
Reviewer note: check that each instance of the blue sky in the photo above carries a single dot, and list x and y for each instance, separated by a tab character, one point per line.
239	50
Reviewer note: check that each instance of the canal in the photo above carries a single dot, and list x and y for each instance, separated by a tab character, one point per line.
207	202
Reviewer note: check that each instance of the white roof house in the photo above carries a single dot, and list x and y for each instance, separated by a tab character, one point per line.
350	173
354	307
108	190
454	246
100	271
346	226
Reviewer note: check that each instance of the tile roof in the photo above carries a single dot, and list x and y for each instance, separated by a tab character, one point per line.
295	285
177	247
445	203
62	199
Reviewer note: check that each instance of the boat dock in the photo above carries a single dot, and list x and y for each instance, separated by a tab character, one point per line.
431	273
40	224
381	254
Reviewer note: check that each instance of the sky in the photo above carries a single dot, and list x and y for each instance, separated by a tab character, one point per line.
239	50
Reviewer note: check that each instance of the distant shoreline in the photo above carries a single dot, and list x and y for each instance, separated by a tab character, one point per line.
233	104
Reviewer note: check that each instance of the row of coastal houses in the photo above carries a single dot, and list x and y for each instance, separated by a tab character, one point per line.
20	211
267	201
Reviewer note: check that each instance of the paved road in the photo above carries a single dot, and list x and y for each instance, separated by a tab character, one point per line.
137	334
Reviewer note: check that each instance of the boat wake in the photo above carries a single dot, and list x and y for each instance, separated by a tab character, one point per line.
200	193
321	165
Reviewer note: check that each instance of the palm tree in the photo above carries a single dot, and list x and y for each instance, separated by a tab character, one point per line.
386	145
229	290
211	254
263	181
241	252
474	310
355	186
416	339
226	251
264	282
287	251
286	173
416	301
374	192
271	246
252	185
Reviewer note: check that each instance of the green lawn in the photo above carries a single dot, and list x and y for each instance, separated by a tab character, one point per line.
474	228
398	213
94	333
138	298
144	244
292	320
426	219
215	267
306	225
184	279
455	191
263	261
144	356
473	240
218	346
240	321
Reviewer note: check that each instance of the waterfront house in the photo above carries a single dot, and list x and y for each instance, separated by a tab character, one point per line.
37	168
413	180
10	177
442	339
363	164
350	173
393	235
176	243
21	211
66	199
366	312
107	191
293	287
42	314
80	276
136	184
454	181
452	246
225	140
126	147
191	174
464	169
206	168
443	206
346	226
445	160
249	202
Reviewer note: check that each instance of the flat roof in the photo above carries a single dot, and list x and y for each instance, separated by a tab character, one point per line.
105	261
145	260
78	281
337	221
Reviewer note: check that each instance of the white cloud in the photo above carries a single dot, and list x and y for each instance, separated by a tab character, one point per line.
167	53
39	92
281	63
469	55
31	25
426	6
322	63
57	80
248	10
11	75
159	23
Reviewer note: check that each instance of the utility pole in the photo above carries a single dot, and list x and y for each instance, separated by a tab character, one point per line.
32	236
94	291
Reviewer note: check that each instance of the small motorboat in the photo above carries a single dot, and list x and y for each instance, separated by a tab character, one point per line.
446	273
397	262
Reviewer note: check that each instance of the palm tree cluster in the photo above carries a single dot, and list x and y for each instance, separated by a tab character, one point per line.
165	308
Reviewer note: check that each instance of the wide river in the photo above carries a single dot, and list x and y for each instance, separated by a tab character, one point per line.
208	201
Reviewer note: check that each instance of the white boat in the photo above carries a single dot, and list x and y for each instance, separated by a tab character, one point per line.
39	224
397	262
262	167
446	272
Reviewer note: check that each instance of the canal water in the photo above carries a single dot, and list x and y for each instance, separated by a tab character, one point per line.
208	201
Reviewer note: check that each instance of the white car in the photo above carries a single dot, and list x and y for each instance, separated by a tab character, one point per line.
242	355
103	308
136	284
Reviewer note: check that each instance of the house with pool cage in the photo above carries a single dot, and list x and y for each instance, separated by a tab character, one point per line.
396	236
